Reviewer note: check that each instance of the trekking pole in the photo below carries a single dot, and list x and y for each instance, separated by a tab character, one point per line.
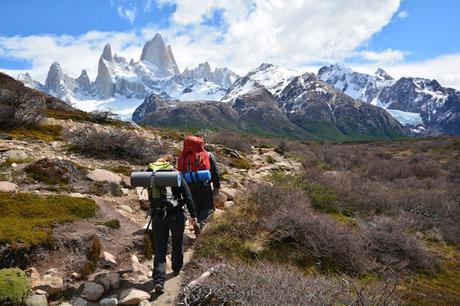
148	225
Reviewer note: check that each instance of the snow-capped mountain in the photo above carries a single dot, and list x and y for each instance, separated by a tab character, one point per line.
121	85
416	102
273	78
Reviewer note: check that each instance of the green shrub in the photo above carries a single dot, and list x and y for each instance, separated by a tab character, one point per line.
29	218
241	163
93	254
113	224
14	286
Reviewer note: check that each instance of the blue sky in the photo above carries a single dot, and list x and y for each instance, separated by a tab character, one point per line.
411	36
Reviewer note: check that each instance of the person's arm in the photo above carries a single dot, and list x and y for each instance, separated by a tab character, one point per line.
187	197
215	173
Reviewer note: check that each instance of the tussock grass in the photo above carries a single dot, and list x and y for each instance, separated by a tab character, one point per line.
44	132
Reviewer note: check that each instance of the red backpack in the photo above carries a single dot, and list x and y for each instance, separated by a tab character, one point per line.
193	157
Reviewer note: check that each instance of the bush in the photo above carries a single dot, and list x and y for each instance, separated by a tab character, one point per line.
114	143
113	224
267	284
231	140
14	286
54	171
93	253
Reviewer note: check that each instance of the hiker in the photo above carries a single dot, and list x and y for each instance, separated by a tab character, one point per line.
166	205
193	159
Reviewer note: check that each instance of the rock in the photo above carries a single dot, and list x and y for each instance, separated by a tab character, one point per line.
41	292
219	200
36	300
145	303
108	302
80	302
133	297
109	259
142	193
32	273
134	258
126	208
14	165
231	193
8	187
229	204
125	191
77	195
140	269
92	291
50	284
109	280
101	175
75	275
16	155
51	271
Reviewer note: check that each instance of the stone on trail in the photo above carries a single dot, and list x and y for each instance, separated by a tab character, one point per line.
229	205
219	200
231	193
36	300
126	208
108	302
101	175
16	155
92	291
109	280
51	284
133	297
6	186
109	259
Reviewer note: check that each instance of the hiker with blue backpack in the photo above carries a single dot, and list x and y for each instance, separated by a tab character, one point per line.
201	172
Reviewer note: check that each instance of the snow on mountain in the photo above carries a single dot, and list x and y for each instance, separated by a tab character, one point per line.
273	78
130	82
240	87
412	101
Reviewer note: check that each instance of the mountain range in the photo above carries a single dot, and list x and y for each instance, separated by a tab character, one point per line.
337	103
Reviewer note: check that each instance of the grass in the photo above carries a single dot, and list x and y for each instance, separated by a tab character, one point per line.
113	224
14	286
29	218
45	132
241	163
126	170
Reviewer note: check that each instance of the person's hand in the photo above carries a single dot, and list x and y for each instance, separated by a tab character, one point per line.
193	222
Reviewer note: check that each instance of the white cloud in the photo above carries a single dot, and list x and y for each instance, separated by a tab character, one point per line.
443	68
127	13
386	56
403	14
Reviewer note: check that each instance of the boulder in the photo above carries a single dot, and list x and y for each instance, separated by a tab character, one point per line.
229	204
101	175
219	200
133	297
52	285
92	291
109	259
231	193
109	280
140	269
36	300
8	187
108	302
16	155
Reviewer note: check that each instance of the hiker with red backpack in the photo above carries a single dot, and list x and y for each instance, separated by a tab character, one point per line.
200	169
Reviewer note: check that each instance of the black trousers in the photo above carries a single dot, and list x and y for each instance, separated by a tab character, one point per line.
203	198
173	222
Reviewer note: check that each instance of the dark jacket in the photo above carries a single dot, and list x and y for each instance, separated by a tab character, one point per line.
183	194
215	172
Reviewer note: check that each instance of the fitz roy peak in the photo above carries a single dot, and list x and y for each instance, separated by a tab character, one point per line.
155	72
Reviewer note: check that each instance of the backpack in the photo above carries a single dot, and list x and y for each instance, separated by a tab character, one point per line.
193	157
156	192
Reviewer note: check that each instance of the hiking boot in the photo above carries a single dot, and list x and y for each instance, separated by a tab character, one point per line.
159	289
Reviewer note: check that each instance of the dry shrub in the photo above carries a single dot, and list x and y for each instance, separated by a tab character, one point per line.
231	140
269	284
391	245
114	143
288	216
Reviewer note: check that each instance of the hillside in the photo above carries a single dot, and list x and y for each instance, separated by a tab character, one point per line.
296	223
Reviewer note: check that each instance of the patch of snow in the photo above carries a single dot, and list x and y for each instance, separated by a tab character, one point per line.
406	118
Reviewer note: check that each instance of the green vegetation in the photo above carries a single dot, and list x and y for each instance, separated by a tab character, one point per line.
113	224
44	132
14	286
123	169
148	245
241	163
29	218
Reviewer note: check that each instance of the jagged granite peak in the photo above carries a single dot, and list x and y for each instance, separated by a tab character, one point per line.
85	86
58	83
107	53
224	77
157	53
30	82
104	83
